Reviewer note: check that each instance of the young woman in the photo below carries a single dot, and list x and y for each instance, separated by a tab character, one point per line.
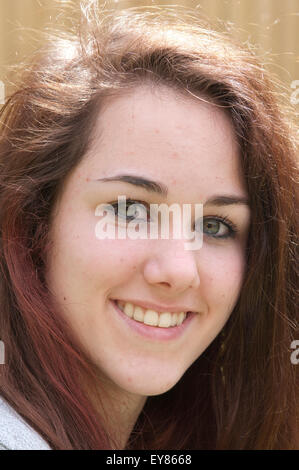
123	343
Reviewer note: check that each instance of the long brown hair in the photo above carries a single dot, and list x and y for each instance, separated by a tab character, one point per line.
241	392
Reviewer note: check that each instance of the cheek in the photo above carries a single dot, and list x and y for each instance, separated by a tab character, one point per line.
79	256
223	276
112	259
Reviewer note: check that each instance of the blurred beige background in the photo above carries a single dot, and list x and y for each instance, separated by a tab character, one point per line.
271	25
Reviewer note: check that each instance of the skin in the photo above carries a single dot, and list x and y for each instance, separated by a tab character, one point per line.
188	145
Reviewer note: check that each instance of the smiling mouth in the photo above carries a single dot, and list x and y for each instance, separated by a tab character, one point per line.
151	317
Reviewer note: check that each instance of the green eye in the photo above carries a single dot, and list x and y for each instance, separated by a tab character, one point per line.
211	226
218	227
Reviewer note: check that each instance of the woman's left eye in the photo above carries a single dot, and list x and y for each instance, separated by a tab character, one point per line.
218	227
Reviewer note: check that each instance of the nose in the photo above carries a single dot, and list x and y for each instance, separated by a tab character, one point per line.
172	267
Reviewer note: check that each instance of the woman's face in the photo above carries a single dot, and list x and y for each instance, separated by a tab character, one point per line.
189	147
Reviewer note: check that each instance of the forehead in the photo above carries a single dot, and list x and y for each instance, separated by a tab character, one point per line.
158	131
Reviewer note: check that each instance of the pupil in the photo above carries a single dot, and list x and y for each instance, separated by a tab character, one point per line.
214	226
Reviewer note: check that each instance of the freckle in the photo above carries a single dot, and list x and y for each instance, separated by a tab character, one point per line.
64	298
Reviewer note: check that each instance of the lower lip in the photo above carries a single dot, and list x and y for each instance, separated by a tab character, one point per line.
154	332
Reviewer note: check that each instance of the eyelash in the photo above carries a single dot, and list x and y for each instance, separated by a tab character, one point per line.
232	228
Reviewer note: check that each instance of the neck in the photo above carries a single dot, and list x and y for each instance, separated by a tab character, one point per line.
119	410
122	413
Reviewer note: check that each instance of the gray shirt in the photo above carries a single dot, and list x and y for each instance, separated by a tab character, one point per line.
15	433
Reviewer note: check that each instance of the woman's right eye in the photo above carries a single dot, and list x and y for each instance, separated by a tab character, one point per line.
135	210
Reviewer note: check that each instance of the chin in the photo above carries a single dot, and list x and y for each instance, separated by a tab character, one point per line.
150	387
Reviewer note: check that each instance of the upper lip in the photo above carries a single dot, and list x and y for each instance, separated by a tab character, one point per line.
158	308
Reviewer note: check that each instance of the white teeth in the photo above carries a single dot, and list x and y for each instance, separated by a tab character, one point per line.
151	317
165	320
182	316
138	314
128	309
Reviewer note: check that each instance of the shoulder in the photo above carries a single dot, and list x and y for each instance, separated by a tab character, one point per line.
15	433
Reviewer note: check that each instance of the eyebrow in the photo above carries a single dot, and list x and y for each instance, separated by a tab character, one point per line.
148	185
162	190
